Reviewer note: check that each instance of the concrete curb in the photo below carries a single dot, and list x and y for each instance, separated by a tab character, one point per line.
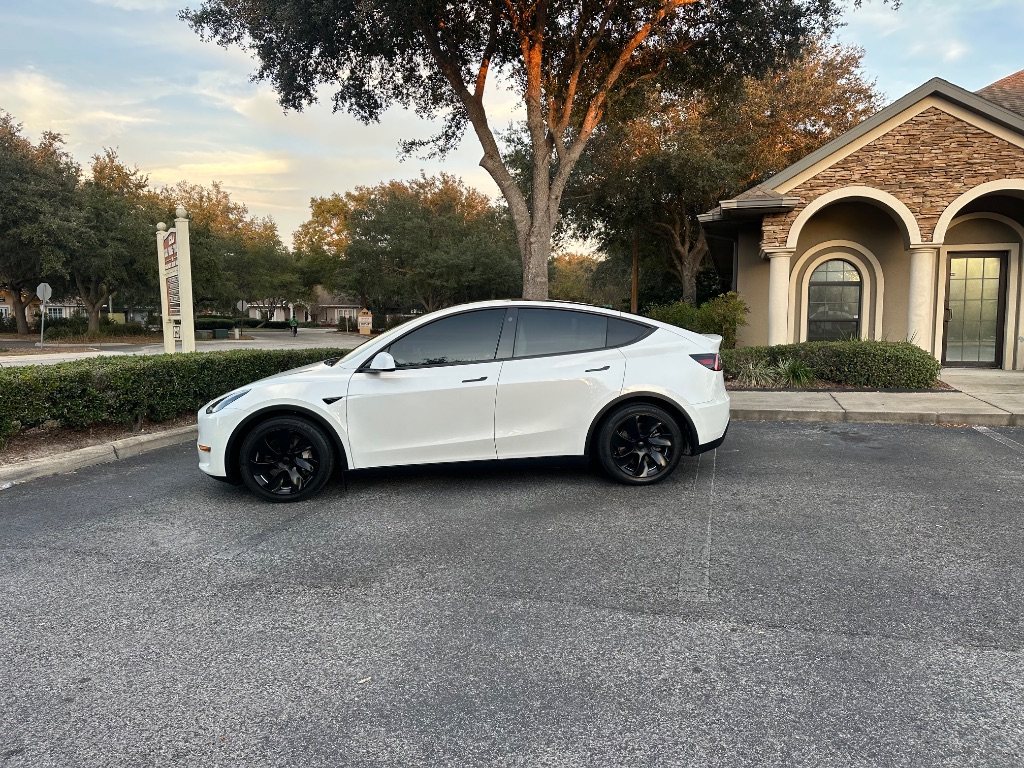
878	417
95	454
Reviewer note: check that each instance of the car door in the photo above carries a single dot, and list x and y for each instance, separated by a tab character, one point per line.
438	403
559	376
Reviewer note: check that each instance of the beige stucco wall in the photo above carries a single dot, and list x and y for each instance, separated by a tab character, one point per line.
875	230
978	231
752	285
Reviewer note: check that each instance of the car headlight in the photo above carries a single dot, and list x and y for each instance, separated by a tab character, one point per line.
224	402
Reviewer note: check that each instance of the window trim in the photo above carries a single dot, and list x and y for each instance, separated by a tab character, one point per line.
649	330
505	329
811	283
365	366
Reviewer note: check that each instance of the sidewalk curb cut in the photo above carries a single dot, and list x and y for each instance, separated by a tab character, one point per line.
95	454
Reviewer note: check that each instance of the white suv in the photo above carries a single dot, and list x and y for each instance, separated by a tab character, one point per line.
485	381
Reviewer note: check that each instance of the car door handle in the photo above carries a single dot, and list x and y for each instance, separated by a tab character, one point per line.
470	381
591	370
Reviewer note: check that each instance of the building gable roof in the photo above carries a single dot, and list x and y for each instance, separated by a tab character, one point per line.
1007	93
935	87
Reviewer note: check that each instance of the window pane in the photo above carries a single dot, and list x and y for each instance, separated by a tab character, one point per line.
556	331
465	338
622	332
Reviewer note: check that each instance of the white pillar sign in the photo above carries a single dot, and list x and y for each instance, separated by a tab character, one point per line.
174	258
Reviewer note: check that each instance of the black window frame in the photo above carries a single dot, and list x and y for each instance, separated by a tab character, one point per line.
648	330
836	284
507	336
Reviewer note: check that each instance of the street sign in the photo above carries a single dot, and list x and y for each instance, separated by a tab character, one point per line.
44	292
242	305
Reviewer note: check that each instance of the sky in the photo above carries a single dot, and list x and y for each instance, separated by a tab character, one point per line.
126	74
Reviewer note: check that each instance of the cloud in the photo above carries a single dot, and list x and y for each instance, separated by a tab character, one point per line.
44	104
233	168
139	5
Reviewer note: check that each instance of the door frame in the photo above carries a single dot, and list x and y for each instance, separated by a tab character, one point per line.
1008	297
1004	268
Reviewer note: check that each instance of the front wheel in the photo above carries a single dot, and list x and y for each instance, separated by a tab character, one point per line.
286	459
640	444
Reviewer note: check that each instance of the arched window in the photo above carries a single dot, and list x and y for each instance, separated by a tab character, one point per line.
833	302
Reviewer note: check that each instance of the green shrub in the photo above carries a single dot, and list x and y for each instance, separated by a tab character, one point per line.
857	363
722	315
78	326
125	389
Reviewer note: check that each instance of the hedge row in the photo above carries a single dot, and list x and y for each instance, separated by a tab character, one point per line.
722	315
127	389
858	363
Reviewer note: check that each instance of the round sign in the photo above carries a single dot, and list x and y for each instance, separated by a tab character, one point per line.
44	291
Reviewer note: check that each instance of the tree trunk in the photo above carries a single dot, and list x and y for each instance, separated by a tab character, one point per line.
18	308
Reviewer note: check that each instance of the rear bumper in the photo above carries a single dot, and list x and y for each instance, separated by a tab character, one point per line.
711	445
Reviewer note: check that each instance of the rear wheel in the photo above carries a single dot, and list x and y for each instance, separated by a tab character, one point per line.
286	459
640	444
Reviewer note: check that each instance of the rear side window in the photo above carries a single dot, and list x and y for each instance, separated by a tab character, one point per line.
467	338
557	331
622	332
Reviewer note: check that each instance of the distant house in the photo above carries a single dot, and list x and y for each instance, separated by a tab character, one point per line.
54	309
910	225
325	308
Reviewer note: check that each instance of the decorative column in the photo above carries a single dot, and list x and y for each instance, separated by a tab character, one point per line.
778	294
921	301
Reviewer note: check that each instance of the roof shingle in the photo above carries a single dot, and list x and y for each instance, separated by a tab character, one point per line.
1007	93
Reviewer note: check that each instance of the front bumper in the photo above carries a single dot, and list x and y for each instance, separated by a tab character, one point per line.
215	430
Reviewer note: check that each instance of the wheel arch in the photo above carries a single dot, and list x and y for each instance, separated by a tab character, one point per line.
270	412
651	398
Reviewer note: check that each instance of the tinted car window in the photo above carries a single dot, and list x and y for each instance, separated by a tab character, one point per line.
623	332
556	331
466	338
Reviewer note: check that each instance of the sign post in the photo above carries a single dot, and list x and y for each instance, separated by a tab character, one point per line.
44	292
175	260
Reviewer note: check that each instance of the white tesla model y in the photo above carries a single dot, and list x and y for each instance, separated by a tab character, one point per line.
485	381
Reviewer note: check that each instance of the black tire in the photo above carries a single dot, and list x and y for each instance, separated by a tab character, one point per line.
640	444
285	459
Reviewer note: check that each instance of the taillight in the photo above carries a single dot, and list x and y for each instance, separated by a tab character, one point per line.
710	360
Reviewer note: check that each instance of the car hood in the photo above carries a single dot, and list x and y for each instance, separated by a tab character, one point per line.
303	373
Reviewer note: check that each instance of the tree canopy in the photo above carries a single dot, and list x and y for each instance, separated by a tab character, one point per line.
662	164
428	243
569	62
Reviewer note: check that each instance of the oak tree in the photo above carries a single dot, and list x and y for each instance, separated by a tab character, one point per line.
568	62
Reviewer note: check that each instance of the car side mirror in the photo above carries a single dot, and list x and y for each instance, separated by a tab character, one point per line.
382	362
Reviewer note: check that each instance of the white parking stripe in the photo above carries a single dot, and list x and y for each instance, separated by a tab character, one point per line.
1011	444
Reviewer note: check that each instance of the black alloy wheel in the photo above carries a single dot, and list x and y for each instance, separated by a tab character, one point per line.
286	459
640	444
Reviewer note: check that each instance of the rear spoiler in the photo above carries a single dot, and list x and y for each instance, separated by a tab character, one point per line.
715	338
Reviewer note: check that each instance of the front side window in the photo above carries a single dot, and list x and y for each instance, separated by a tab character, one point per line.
558	331
833	302
55	312
467	338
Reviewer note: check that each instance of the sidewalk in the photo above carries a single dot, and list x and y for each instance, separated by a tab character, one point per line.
983	398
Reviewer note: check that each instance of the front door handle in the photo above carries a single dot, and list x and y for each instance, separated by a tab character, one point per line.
591	370
470	381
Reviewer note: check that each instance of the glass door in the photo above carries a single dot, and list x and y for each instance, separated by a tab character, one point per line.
975	296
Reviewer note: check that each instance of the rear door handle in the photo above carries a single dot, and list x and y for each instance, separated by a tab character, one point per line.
591	370
470	381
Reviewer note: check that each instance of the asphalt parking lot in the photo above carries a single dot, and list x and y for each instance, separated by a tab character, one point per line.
808	595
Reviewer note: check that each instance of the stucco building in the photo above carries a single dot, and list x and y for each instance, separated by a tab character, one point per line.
909	226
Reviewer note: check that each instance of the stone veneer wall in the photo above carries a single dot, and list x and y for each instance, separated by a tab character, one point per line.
927	162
